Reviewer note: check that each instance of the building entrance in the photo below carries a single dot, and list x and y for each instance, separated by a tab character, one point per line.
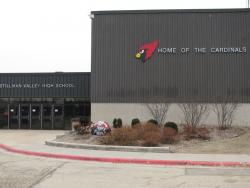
36	114
43	100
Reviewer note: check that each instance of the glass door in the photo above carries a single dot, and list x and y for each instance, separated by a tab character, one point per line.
4	113
14	117
46	116
58	117
35	116
25	117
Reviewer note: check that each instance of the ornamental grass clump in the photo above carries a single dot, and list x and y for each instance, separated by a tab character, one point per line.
169	136
125	136
147	134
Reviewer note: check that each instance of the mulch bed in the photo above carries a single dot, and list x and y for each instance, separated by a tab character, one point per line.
215	134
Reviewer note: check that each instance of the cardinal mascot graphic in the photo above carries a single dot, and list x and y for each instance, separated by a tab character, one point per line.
146	51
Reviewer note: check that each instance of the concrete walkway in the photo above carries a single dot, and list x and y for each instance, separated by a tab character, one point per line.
26	171
33	140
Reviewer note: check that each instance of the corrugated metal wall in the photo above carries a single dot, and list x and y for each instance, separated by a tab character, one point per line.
117	76
45	85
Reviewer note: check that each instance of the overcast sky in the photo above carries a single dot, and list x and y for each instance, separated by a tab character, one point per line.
54	35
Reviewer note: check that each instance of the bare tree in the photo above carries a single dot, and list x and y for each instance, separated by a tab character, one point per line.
194	113
225	113
159	111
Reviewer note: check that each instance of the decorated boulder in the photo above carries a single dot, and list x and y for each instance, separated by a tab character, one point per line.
100	128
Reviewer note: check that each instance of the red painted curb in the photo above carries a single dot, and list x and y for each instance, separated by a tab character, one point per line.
124	160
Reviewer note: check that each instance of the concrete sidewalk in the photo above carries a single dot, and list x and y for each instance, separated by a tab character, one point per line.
34	141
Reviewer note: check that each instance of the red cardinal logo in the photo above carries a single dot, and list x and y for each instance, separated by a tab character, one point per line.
146	51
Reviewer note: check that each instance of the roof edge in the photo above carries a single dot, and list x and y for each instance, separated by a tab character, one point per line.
159	11
42	73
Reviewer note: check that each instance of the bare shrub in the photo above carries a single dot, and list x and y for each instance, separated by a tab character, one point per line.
225	114
159	111
193	114
81	126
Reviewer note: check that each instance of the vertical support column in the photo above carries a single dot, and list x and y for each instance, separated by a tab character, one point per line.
63	116
30	118
41	115
52	115
8	115
19	116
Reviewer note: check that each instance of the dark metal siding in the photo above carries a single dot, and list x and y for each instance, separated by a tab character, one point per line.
79	81
118	77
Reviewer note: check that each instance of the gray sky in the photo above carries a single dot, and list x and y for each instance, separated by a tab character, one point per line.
54	35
